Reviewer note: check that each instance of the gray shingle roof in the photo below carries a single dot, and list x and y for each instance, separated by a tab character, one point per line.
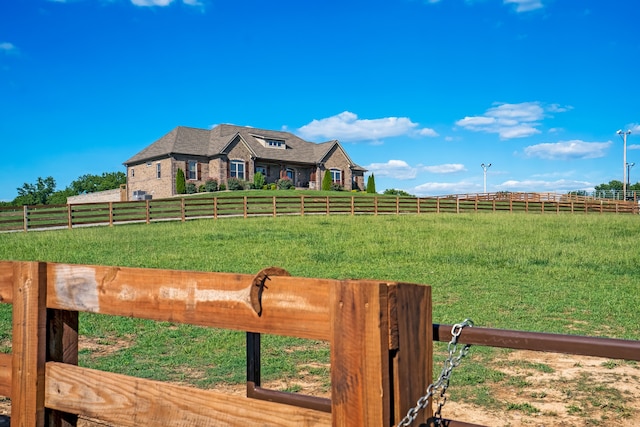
210	143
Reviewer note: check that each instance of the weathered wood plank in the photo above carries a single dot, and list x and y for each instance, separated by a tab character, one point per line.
292	306
29	344
6	281
132	402
412	362
360	384
5	374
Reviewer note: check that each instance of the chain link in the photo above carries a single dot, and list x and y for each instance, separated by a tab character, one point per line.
439	388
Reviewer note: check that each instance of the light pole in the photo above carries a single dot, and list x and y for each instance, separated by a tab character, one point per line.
484	169
629	166
623	135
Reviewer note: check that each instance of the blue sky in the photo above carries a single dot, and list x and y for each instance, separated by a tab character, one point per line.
420	92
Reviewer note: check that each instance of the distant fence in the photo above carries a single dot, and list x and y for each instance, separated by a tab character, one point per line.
109	213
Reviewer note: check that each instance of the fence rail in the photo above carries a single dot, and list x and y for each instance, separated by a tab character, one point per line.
109	213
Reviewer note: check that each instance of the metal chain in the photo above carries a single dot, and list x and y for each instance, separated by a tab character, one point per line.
442	383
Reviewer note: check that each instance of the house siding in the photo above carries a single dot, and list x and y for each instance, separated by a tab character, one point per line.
337	160
145	179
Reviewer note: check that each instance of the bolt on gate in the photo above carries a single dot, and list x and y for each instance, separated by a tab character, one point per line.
380	337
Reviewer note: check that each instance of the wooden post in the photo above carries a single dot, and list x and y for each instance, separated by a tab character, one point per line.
438	204
62	347
542	206
494	204
360	383
29	344
148	212
25	218
375	205
457	205
353	205
110	214
411	342
418	203
215	207
182	209
275	211
397	205
245	206
69	217
302	205
328	206
475	207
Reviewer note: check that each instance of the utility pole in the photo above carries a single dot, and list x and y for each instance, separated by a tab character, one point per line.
624	135
484	168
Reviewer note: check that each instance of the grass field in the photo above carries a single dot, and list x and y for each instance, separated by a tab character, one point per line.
575	274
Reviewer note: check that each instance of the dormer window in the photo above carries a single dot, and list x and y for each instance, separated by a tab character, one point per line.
271	143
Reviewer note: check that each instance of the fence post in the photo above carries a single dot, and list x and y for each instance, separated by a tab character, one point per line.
110	215
182	209
457	205
275	211
437	204
353	205
25	218
69	215
302	205
148	212
397	205
418	204
245	206
375	205
215	207
360	383
328	206
29	344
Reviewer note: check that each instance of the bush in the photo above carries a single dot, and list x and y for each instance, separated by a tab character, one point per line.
394	192
326	180
180	182
234	184
336	187
285	184
371	184
191	188
222	187
211	185
201	188
258	180
274	186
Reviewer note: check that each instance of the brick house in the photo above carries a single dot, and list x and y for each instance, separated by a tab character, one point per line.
235	151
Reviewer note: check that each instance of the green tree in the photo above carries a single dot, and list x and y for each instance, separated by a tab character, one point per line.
181	184
93	183
60	197
326	180
394	192
371	184
36	194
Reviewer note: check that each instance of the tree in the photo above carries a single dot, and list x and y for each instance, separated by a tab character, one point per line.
327	181
394	192
181	184
35	194
258	180
93	183
371	184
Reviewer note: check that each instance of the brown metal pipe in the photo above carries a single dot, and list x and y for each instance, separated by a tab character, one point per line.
611	348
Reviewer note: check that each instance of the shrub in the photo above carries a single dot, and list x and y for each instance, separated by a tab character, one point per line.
222	187
336	187
180	182
284	184
211	185
394	192
191	188
258	180
234	184
326	180
201	188
274	186
371	184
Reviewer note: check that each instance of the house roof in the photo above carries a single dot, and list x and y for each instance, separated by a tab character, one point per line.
214	142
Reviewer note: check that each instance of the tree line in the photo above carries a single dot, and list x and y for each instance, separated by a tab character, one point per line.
44	192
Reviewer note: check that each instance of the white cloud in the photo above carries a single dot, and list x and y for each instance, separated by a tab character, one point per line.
526	5
511	120
633	147
398	169
446	168
560	186
445	188
566	150
347	127
8	47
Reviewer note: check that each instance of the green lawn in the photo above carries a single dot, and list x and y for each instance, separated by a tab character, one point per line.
575	274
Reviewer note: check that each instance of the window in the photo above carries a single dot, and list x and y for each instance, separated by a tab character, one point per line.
236	169
336	176
158	171
262	170
133	172
275	143
192	170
